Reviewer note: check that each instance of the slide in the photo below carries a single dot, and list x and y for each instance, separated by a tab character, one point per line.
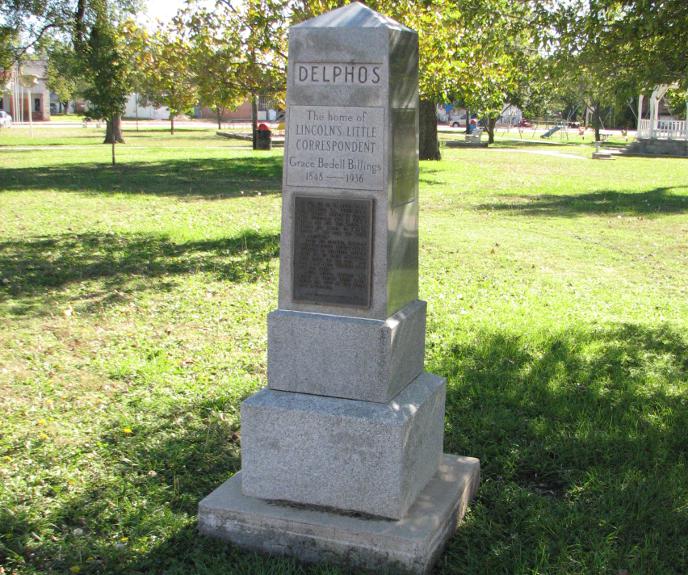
551	131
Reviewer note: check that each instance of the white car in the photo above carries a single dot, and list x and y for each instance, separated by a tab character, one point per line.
5	119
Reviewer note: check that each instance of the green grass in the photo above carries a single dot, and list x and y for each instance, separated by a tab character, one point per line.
71	118
133	303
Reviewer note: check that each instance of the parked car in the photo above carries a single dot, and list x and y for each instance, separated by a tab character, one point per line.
5	119
525	124
457	121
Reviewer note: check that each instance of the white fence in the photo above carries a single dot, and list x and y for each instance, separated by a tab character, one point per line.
663	129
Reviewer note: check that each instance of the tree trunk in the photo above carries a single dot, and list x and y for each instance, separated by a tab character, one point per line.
491	123
172	124
596	121
113	130
429	147
113	152
254	118
219	117
468	119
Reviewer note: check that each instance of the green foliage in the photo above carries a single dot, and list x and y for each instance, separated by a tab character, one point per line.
246	39
8	41
217	63
264	25
586	60
31	22
24	23
606	52
65	75
107	69
168	73
677	99
647	39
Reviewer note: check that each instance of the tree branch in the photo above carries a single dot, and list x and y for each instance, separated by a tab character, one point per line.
23	50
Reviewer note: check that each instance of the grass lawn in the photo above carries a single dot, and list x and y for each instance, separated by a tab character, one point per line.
71	118
133	308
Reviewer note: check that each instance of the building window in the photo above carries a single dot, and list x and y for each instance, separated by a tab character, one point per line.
36	104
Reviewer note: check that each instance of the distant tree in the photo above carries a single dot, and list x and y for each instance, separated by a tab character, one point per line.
134	41
588	60
91	27
216	61
8	41
168	69
535	92
249	37
264	25
647	39
65	74
25	24
609	51
108	73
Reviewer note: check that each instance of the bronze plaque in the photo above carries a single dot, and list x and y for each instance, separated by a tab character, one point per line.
333	248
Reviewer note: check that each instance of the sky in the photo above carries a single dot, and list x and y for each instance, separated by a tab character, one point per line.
162	10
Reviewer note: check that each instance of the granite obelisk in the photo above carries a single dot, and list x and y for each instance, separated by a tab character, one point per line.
342	453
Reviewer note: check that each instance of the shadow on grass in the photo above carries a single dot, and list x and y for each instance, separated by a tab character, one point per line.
206	178
581	437
655	202
32	267
140	517
154	480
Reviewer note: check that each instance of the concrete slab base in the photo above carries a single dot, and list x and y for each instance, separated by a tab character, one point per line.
410	545
602	156
462	144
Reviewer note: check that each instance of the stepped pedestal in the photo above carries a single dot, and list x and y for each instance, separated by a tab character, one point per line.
342	453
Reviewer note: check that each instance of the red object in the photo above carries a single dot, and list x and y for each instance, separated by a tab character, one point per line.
263	128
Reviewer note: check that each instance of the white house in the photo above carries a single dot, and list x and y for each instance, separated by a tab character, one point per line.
511	115
135	109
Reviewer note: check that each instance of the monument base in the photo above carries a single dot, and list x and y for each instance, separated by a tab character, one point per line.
409	545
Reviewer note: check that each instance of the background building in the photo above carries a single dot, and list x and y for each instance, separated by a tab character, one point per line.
24	92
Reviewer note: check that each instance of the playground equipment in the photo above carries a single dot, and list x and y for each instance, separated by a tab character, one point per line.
551	131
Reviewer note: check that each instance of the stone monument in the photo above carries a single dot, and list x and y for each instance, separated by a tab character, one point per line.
341	454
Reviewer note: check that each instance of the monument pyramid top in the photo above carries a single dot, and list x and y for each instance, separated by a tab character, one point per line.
354	15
